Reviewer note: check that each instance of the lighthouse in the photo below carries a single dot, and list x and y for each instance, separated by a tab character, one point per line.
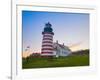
47	41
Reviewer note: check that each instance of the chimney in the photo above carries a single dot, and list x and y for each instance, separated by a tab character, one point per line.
63	44
57	41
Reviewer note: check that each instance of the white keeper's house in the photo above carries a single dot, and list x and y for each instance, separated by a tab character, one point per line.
60	50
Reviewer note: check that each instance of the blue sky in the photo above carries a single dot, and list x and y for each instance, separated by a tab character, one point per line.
72	29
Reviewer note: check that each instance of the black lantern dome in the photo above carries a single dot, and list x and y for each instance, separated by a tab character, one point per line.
48	28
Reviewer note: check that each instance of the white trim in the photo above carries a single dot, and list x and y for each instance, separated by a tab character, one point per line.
50	72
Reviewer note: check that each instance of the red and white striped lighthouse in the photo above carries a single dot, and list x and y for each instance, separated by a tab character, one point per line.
47	41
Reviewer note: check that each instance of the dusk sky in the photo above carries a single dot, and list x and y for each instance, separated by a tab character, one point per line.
72	29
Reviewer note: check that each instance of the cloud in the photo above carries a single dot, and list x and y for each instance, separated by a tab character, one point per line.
75	44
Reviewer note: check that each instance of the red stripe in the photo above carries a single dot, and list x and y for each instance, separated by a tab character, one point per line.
47	49
47	39
46	42
47	45
47	52
48	33
47	36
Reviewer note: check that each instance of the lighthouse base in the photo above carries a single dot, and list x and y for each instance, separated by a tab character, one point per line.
47	55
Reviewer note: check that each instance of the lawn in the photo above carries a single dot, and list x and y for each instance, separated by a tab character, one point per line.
72	60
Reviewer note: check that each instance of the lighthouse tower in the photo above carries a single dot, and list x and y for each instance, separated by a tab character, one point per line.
47	41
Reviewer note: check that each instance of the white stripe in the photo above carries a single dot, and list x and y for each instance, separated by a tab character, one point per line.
47	41
47	50
48	34
50	37
47	44
48	54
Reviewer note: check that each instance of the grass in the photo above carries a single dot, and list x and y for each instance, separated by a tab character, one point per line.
69	61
